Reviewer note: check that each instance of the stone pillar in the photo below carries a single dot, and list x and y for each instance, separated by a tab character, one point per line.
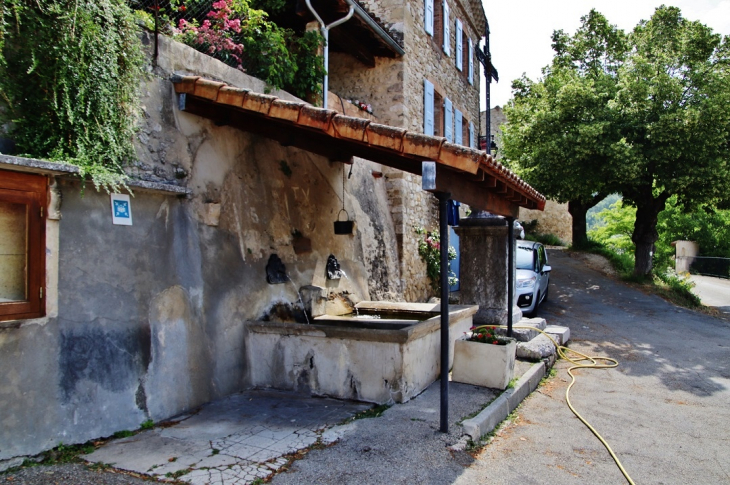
483	267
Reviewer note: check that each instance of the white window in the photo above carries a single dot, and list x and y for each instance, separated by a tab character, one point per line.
458	130
448	120
428	17
459	46
447	30
427	108
472	140
471	62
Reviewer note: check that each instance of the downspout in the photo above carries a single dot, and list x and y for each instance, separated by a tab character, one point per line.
325	29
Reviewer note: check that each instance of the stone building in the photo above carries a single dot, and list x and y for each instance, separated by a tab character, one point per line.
123	308
433	88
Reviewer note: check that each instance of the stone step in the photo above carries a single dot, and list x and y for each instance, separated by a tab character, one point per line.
524	334
560	334
536	349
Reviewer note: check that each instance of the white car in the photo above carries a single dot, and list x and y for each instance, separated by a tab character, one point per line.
533	276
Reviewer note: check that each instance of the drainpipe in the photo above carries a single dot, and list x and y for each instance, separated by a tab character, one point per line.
325	29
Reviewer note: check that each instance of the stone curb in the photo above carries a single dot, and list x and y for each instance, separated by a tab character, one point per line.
499	409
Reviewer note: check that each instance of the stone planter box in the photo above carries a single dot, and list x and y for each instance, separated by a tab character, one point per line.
483	364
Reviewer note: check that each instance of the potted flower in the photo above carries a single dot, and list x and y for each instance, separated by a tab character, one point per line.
484	359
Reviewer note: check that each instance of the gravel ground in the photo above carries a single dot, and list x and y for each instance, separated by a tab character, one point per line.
75	474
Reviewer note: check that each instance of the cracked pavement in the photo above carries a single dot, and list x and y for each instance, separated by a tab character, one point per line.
229	442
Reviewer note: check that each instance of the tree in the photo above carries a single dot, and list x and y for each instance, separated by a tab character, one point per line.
674	109
561	135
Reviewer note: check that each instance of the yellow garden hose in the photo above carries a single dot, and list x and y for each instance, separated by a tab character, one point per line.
577	364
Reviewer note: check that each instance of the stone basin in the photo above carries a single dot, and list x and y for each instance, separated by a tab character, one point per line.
382	360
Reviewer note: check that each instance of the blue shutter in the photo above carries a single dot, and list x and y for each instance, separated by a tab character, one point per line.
471	62
427	108
459	46
448	120
447	30
458	129
428	17
472	141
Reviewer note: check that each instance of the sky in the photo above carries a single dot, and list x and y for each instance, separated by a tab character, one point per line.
520	30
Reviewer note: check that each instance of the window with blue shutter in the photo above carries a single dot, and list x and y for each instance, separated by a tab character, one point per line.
428	17
447	30
471	62
448	120
427	108
472	139
458	131
459	46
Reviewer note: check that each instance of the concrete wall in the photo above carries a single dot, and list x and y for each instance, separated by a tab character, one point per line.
148	321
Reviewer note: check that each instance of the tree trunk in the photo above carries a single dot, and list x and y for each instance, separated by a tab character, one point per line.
645	233
578	210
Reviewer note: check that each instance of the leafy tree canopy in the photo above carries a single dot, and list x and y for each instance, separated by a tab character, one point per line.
646	115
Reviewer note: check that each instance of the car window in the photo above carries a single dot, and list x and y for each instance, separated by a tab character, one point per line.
525	258
541	256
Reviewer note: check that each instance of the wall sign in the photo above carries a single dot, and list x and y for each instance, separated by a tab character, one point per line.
121	210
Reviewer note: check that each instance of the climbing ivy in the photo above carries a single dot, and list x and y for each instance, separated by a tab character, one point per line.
69	75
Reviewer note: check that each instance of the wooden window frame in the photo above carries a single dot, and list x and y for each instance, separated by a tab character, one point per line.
32	191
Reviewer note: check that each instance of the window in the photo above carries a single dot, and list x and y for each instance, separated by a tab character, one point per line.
428	17
438	123
459	50
22	243
438	26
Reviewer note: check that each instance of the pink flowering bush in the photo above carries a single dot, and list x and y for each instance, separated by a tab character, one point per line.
429	248
216	35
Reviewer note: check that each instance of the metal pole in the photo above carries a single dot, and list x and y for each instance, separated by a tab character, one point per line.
510	272
444	238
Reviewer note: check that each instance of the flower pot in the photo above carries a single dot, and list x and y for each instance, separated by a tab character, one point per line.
484	364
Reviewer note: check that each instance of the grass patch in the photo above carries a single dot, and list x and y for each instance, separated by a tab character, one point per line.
125	433
546	239
676	289
374	412
149	424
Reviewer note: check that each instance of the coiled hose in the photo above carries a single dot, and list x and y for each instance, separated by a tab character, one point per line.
583	361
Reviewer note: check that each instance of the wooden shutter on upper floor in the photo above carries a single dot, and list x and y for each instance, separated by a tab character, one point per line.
459	46
447	30
472	140
458	130
427	108
471	61
428	17
448	120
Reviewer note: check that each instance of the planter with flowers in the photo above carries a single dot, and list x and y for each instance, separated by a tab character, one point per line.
484	359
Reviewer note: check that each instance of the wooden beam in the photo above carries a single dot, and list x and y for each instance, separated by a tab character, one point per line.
472	193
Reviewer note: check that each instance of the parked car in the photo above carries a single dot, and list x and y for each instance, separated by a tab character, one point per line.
533	276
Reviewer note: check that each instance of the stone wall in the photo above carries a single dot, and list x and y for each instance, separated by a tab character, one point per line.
148	321
555	219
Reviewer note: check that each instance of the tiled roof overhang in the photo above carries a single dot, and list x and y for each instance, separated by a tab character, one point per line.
470	176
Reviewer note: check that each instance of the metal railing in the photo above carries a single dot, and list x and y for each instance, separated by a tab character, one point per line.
710	266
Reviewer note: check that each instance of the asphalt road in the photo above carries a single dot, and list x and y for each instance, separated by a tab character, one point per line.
664	410
713	292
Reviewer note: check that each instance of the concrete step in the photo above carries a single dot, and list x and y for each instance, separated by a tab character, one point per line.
523	334
560	334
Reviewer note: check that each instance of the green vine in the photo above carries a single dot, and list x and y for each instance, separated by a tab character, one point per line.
429	248
69	75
